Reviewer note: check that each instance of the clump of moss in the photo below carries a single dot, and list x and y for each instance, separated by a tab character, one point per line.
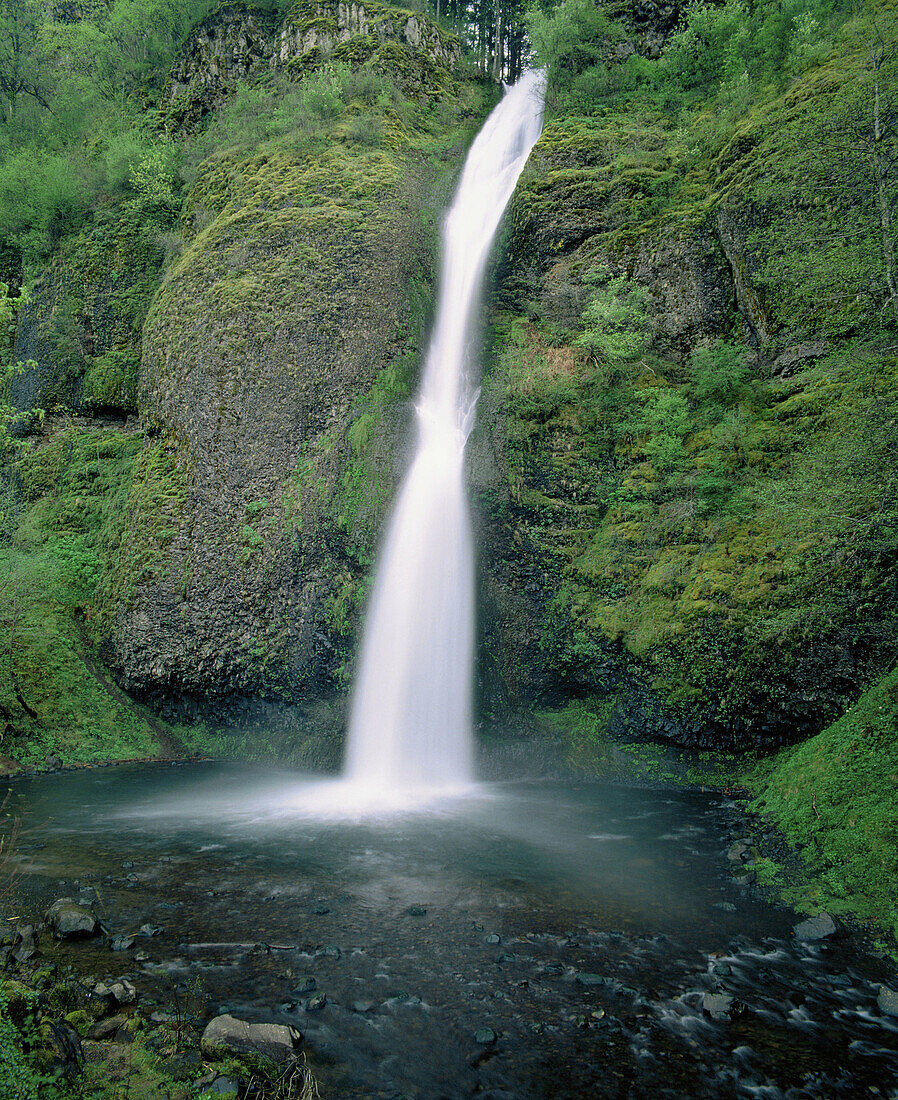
834	797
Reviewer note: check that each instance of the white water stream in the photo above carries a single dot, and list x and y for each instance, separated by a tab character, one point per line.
410	727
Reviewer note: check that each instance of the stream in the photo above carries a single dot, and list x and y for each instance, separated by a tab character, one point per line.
530	939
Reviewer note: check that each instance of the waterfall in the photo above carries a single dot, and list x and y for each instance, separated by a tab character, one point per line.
410	725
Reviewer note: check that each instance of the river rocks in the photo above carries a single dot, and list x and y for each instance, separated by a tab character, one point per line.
120	992
585	978
227	1035
68	919
816	928
717	1005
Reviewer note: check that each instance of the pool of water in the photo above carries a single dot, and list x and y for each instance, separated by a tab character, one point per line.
582	923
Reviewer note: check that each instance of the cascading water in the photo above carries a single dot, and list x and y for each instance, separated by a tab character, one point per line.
410	726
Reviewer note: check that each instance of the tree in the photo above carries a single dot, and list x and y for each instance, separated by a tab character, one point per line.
21	33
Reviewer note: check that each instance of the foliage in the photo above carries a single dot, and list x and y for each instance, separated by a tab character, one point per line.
834	797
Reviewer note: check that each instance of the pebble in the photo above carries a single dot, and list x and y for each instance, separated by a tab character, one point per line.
493	938
485	1037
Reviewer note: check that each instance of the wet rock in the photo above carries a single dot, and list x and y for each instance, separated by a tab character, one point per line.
887	1001
717	1005
582	977
224	1086
24	942
316	1002
150	930
321	910
816	928
304	985
505	957
182	1066
725	906
485	1037
227	1035
492	939
736	852
54	763
63	1041
121	992
416	911
329	952
106	1029
363	1007
68	919
121	942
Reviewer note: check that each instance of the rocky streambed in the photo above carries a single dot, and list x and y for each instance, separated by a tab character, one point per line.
532	940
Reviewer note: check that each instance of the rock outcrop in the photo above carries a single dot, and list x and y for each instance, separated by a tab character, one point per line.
238	41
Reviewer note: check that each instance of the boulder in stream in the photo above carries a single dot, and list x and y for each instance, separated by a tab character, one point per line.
227	1035
69	919
820	927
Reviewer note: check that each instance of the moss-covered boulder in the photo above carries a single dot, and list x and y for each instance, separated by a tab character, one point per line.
276	359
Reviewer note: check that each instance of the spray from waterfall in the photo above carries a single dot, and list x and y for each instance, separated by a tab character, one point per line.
410	725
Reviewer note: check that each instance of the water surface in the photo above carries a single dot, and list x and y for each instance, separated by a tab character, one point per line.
583	923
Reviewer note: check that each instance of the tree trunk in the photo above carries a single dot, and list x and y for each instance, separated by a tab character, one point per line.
881	176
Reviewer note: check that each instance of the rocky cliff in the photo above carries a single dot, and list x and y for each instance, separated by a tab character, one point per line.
239	41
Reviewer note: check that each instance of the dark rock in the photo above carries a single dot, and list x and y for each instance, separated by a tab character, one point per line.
787	362
321	910
226	1035
224	1086
54	763
121	942
65	1043
485	1037
584	978
416	911
24	943
106	1029
363	1007
493	938
150	930
68	919
329	952
316	1002
304	985
816	928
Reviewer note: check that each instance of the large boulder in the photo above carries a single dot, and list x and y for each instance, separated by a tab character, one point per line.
68	919
227	1035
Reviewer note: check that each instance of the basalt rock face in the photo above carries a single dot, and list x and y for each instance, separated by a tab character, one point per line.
277	359
606	578
238	41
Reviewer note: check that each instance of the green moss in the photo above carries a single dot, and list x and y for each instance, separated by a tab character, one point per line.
76	484
834	796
